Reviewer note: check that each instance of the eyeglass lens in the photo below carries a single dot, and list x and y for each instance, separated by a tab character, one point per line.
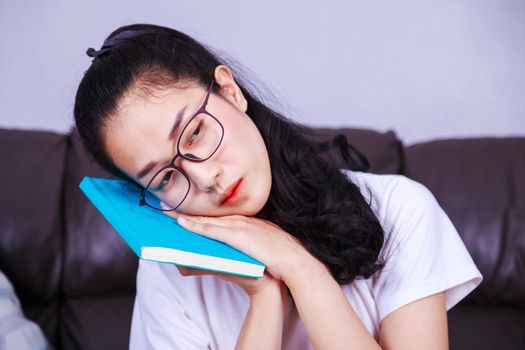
198	141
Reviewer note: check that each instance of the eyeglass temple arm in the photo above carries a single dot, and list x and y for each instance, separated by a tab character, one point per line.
208	94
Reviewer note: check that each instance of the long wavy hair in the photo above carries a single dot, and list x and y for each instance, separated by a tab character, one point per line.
310	197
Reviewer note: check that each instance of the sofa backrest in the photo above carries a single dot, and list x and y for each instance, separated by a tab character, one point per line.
76	277
32	166
72	272
480	183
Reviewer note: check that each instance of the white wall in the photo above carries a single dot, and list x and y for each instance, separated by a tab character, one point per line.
427	69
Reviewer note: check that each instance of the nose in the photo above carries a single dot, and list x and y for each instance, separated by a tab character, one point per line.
204	175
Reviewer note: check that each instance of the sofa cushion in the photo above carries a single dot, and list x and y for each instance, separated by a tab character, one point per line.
483	327
480	184
97	260
32	224
383	150
102	322
31	178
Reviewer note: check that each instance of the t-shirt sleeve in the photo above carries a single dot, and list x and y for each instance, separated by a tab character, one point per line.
423	252
160	320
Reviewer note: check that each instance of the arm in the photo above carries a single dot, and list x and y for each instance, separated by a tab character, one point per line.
263	325
262	328
328	317
426	319
331	322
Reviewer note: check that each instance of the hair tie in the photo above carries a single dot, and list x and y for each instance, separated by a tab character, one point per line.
91	52
112	41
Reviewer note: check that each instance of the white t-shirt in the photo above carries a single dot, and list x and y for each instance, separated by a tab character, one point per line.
423	251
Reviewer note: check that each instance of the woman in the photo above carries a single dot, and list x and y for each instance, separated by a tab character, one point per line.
354	260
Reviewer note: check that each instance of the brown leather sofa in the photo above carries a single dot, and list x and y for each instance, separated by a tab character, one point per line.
76	278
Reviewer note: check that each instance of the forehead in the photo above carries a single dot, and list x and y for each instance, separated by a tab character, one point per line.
138	132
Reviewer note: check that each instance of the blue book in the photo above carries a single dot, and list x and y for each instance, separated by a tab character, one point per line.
155	236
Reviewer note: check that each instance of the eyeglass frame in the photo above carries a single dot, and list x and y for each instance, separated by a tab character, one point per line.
171	164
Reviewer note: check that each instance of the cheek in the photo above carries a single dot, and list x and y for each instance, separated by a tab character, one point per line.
244	138
199	204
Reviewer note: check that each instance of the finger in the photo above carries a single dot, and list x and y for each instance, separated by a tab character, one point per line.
183	270
210	229
174	213
240	238
229	221
189	271
180	217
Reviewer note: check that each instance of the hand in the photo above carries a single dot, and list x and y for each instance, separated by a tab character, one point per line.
260	239
252	286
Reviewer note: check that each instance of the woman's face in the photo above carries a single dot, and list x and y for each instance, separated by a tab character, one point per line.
139	137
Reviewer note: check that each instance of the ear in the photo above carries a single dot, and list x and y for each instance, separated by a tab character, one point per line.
229	88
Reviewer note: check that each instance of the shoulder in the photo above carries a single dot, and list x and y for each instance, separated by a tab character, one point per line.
386	184
394	198
416	228
423	251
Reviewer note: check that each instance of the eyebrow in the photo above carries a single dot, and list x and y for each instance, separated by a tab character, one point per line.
171	136
177	122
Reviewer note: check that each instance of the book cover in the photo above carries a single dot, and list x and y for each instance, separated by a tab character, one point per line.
152	235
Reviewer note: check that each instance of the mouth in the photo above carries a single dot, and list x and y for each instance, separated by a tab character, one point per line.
232	193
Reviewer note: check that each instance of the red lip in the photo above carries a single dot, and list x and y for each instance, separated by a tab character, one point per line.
231	192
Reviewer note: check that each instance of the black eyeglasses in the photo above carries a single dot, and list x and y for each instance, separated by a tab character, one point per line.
199	140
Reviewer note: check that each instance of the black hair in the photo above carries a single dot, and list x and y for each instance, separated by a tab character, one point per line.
310	197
